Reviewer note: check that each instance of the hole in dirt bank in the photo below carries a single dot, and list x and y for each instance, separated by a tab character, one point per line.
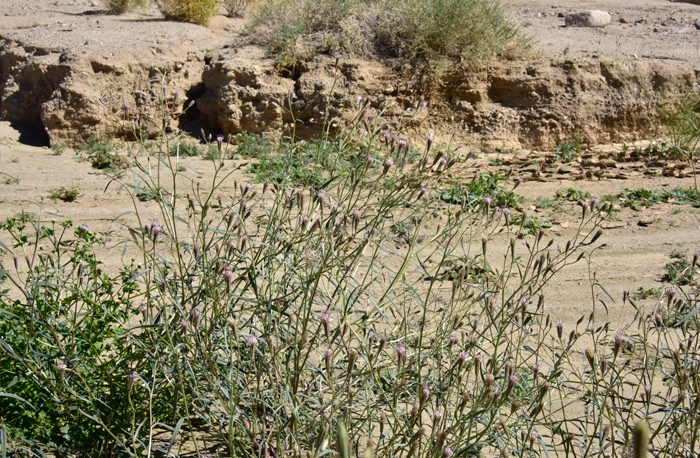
192	121
31	135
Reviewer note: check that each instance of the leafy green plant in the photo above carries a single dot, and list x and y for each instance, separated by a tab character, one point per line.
687	195
185	149
252	146
567	151
24	216
573	195
484	187
101	154
532	225
680	272
640	197
65	194
646	293
58	148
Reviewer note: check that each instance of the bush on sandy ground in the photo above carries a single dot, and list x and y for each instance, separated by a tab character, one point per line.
257	322
432	31
122	6
196	11
235	8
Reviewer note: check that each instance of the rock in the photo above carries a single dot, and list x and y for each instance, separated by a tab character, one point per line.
646	222
613	225
680	30
697	24
590	18
93	42
624	20
561	14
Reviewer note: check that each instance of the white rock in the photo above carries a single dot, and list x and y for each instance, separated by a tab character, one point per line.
590	18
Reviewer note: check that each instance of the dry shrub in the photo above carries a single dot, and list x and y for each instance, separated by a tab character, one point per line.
234	8
195	11
122	6
430	31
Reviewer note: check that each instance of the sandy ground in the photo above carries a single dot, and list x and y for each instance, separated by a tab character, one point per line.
639	243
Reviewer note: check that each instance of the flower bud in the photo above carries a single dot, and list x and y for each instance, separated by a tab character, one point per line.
132	380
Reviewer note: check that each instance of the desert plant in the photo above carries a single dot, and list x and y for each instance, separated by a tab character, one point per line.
65	194
195	11
234	8
102	154
430	31
123	6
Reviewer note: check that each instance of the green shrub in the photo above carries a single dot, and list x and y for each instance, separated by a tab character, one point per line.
101	154
65	194
195	11
484	187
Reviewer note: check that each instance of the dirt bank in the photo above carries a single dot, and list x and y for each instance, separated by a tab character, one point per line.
70	69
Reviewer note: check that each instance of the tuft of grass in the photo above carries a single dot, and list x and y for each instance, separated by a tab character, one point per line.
546	203
65	194
8	179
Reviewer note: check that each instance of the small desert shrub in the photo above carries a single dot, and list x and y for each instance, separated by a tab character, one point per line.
101	154
234	8
431	31
65	194
195	11
122	6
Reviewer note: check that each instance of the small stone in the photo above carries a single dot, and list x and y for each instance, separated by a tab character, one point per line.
624	20
680	30
590	18
561	14
645	222
697	24
93	42
613	225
